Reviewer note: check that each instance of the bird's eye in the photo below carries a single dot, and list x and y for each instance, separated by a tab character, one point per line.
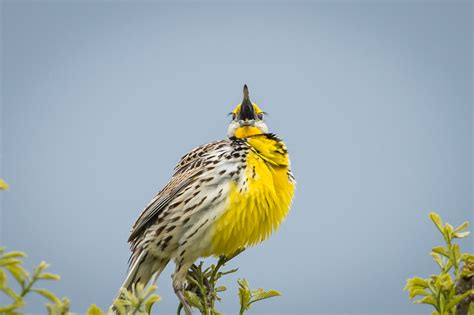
233	115
260	115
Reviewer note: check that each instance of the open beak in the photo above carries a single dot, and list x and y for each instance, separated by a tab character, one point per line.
247	111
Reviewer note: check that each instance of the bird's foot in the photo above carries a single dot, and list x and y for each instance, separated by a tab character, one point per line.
179	291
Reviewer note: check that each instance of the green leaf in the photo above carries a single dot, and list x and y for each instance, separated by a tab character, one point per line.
468	258
129	296
193	299
461	227
458	298
48	294
457	255
244	294
3	279
12	294
137	289
438	260
14	254
265	295
149	290
223	273
150	301
427	300
413	292
437	221
9	308
120	306
461	234
416	282
9	261
40	268
448	266
65	302
444	281
467	273
52	309
94	310
440	250
50	276
221	289
243	283
60	308
18	272
448	231
442	303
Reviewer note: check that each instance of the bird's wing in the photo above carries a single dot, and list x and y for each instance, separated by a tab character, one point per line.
187	171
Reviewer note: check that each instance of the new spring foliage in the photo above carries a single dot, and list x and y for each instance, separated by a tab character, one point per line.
439	290
17	284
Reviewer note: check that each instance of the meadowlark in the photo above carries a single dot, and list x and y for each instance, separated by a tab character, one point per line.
224	196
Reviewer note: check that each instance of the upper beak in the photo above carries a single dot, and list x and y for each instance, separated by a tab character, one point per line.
247	111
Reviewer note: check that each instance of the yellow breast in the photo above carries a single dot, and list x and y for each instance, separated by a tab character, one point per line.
256	209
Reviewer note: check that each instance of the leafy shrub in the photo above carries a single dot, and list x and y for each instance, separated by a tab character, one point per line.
12	263
451	291
202	292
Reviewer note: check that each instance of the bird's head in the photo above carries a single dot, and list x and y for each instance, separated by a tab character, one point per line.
247	119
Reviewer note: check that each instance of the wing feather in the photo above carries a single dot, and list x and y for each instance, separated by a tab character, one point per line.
189	169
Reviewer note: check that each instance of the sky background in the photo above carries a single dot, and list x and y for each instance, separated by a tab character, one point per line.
101	99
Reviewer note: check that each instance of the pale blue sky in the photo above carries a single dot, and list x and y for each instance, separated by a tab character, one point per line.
100	99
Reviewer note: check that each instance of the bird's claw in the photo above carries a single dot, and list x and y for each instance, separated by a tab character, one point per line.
180	294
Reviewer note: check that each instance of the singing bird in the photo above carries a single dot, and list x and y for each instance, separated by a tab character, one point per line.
224	196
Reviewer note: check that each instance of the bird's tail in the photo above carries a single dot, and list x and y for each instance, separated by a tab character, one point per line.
141	271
